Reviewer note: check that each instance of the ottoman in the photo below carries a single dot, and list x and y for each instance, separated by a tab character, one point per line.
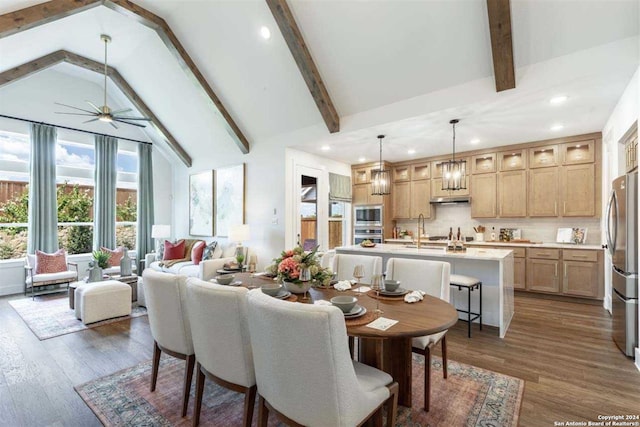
102	300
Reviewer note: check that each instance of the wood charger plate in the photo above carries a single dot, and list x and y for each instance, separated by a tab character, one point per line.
381	297
368	317
291	298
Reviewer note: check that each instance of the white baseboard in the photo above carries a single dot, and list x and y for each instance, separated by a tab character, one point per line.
638	358
11	290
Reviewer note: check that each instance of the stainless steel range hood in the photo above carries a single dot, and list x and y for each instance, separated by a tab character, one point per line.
451	200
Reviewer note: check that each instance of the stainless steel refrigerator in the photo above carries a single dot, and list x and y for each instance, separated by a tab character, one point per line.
622	242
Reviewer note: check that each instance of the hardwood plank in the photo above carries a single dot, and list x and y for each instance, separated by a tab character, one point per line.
501	43
43	13
31	67
298	48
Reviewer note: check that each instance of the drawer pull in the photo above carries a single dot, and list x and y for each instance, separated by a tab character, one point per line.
556	270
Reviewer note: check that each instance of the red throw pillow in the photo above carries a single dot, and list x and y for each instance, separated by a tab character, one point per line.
51	263
173	250
114	255
196	252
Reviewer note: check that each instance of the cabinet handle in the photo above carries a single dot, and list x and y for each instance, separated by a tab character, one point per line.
565	270
579	256
564	208
556	270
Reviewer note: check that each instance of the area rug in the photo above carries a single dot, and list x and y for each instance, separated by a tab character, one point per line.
469	397
49	316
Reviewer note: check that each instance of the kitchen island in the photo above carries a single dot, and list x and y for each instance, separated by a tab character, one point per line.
494	267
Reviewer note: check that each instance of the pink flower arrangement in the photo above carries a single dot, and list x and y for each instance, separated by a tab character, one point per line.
291	262
289	267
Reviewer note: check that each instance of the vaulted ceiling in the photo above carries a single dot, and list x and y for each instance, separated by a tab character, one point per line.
400	68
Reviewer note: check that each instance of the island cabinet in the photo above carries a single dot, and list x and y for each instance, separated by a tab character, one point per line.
484	195
512	194
582	273
543	192
542	270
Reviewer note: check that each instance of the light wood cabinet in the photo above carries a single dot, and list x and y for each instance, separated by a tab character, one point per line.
362	196
512	194
483	196
484	163
630	141
519	271
576	153
420	198
421	171
401	173
543	157
542	275
401	194
361	176
437	191
578	186
543	192
512	160
582	273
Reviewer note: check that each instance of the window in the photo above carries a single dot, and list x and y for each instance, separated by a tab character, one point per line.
14	176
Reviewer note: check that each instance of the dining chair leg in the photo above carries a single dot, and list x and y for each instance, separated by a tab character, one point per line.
392	405
263	412
155	365
249	401
199	392
444	356
352	347
188	375
427	378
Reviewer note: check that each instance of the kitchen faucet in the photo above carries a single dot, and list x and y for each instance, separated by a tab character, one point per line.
420	229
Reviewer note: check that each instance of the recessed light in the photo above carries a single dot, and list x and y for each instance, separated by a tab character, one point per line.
556	100
325	148
557	127
265	32
362	159
475	141
578	146
411	151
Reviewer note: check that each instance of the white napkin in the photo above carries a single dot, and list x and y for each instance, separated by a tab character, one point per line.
414	296
382	323
322	302
342	285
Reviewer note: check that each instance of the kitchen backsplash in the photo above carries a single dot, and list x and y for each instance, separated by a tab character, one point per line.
534	229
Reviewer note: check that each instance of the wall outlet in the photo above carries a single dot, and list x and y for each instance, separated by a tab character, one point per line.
274	220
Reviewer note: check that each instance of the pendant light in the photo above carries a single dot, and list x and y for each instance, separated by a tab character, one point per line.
381	178
454	171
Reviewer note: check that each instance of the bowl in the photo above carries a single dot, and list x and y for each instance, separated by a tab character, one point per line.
271	289
344	302
391	285
225	279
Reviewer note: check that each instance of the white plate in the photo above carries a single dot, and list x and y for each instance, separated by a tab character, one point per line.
355	310
235	283
359	314
283	294
398	292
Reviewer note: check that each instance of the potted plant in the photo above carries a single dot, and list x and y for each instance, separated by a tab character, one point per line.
101	260
291	263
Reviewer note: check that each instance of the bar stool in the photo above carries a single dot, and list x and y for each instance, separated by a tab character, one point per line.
470	284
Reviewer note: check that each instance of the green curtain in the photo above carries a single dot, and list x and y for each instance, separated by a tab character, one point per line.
43	205
144	242
339	188
104	195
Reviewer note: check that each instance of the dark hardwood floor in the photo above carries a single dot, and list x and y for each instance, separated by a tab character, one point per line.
563	351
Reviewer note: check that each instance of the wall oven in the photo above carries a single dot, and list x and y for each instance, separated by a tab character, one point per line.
368	216
373	234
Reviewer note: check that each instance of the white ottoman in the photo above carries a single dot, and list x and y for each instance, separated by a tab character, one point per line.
102	300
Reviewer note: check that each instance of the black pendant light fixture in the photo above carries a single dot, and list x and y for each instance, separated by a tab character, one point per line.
380	178
454	172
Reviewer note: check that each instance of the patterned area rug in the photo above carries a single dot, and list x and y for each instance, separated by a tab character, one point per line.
470	396
49	316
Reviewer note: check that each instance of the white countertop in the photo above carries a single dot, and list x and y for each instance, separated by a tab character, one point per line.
505	244
441	252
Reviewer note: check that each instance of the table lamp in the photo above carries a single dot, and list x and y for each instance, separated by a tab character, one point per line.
239	233
160	232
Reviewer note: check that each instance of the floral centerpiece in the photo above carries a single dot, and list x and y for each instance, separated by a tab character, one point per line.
292	262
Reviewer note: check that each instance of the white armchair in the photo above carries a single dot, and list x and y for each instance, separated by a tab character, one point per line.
431	277
170	327
223	352
343	265
34	280
313	365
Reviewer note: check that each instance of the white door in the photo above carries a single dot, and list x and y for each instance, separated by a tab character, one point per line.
310	207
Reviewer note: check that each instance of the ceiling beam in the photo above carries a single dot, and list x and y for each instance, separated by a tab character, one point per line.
47	61
292	35
30	17
501	43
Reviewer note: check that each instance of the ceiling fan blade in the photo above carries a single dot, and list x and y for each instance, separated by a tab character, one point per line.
75	108
117	119
124	110
94	106
92	120
133	118
77	114
113	124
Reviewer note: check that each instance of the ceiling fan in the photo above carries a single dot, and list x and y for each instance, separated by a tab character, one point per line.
104	113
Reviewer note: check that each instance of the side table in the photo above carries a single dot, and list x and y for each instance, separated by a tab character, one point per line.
131	281
72	291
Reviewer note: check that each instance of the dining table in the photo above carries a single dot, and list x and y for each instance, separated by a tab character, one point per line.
390	349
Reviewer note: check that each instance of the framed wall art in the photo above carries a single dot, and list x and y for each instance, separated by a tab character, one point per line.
201	204
229	198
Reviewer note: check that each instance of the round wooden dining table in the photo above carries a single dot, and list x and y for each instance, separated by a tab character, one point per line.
388	350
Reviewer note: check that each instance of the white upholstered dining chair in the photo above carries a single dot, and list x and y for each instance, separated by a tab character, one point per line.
304	371
343	265
221	341
166	296
431	277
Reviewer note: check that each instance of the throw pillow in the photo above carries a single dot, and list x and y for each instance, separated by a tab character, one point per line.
197	252
209	251
173	250
51	263
114	255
